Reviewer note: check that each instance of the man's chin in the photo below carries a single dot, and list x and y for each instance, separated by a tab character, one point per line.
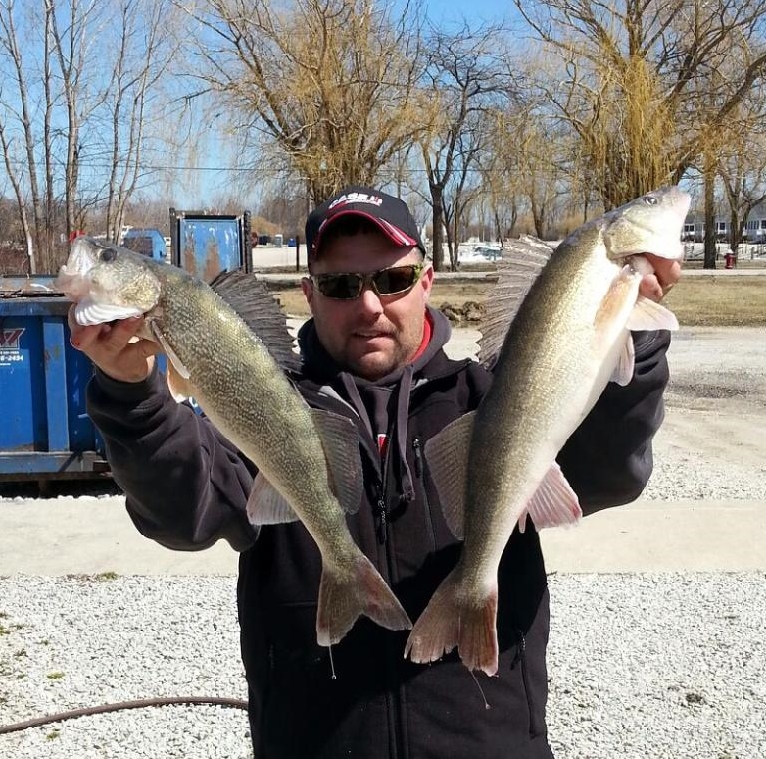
373	366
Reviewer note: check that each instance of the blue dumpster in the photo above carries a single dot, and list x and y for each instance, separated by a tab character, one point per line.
44	431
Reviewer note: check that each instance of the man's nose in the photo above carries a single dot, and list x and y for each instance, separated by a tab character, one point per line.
370	301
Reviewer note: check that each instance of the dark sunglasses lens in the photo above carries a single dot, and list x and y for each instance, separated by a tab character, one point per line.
342	286
397	280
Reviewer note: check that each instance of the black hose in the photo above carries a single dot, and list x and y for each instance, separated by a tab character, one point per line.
86	711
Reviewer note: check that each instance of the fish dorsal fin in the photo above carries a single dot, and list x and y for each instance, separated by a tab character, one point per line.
266	505
447	456
553	504
650	315
340	442
626	363
88	311
258	308
521	264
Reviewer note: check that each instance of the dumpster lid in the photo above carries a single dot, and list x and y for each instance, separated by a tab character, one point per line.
22	287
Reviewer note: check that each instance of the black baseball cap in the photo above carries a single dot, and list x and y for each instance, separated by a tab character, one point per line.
388	213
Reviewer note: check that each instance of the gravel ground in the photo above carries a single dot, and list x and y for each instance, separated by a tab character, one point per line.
665	666
641	665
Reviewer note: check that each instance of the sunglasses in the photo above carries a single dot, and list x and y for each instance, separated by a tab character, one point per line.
393	281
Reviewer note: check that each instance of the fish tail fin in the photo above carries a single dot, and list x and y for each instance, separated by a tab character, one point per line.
345	596
478	645
447	622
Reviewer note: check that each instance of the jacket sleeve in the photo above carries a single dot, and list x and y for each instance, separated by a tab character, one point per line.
608	459
186	486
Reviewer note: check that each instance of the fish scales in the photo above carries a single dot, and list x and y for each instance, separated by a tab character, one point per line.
535	380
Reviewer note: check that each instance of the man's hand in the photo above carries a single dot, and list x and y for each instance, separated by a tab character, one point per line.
115	348
667	272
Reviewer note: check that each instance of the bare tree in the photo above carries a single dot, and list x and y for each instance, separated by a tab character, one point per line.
73	110
144	49
639	81
332	83
742	169
468	80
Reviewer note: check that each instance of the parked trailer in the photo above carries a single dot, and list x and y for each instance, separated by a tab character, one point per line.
45	432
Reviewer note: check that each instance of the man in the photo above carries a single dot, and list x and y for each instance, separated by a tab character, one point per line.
373	351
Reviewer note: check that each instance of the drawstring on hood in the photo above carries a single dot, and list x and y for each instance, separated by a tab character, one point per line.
402	406
382	405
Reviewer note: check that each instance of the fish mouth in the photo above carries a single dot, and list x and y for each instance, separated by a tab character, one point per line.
74	276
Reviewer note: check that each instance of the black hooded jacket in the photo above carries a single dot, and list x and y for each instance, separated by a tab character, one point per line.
187	487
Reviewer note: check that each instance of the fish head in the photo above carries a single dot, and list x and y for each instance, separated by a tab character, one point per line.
108	282
652	224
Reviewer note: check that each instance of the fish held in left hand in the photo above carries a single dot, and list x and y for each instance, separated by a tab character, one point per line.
571	312
305	457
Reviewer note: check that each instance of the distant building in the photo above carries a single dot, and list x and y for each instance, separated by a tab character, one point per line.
754	227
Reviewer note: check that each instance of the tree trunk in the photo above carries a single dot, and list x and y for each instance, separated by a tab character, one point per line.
735	231
710	240
437	254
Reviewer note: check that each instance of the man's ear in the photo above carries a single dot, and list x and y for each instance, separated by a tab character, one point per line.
308	289
427	280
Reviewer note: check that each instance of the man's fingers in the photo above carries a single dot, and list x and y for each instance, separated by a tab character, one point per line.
667	272
651	288
145	347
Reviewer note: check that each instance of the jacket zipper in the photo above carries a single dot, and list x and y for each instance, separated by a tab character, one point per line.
381	517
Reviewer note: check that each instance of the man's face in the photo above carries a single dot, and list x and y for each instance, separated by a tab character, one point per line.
371	335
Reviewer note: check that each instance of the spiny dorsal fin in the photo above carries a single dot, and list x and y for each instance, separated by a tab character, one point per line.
521	264
258	308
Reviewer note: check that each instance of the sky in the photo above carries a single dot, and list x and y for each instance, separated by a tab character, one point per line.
473	10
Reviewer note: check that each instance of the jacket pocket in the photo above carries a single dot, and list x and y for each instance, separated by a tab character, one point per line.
535	702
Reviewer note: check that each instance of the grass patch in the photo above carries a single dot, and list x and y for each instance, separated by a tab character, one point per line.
714	300
719	301
106	576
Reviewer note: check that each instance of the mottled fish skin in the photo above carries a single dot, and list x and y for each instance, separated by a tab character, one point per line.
569	336
229	371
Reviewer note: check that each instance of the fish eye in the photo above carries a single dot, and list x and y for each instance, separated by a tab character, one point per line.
108	254
651	200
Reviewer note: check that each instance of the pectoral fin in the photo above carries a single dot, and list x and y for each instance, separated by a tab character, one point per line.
650	315
340	442
447	458
266	505
177	374
553	504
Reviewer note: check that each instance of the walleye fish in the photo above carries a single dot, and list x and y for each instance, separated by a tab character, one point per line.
572	310
214	356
